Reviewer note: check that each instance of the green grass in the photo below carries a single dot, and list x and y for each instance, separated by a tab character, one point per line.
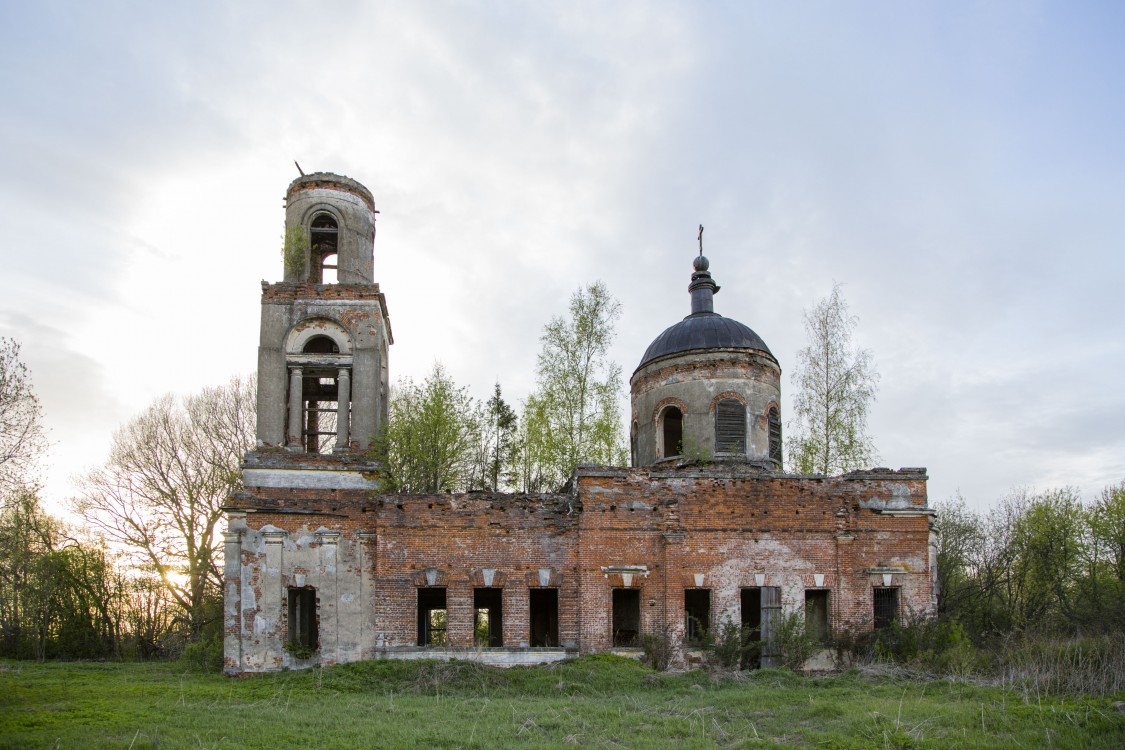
591	702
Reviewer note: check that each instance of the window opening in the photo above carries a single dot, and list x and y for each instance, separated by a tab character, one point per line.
774	418
320	399
321	345
302	618
626	617
816	614
488	622
432	617
730	426
544	605
697	613
323	238
751	601
885	601
320	410
329	270
672	426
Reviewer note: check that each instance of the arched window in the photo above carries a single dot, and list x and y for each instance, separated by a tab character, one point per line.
321	345
321	394
672	430
730	426
320	369
323	239
774	419
633	443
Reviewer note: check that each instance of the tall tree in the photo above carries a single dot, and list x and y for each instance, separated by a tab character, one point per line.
496	441
1105	558
160	494
578	386
22	436
428	442
835	385
58	597
531	454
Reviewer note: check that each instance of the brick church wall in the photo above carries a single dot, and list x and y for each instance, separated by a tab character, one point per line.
658	530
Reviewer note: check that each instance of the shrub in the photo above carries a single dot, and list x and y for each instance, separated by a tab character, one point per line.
658	649
794	641
204	655
729	645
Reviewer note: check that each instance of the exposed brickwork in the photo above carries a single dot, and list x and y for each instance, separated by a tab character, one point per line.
660	531
283	292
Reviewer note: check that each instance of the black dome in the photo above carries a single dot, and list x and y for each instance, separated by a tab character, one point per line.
704	330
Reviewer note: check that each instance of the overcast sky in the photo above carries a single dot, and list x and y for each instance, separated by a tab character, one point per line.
959	168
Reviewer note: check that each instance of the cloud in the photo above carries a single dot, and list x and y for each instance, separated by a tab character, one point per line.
957	170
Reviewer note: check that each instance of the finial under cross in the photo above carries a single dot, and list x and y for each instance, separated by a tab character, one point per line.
701	240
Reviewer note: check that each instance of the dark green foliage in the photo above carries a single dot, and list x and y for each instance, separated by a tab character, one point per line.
730	646
795	643
1041	563
205	655
658	650
58	598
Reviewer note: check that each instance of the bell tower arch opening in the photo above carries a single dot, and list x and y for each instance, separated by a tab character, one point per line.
319	358
324	234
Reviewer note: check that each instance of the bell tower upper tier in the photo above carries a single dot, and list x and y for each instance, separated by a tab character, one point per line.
329	230
322	355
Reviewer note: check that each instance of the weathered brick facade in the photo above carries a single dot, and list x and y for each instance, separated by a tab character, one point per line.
322	568
660	531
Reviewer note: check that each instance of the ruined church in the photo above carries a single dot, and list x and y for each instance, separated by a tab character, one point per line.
321	567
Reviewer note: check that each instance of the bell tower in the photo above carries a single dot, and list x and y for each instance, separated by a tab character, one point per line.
322	355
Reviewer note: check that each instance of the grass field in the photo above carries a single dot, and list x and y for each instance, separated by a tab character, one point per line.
591	702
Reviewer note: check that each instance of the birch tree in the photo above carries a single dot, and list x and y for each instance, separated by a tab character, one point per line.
578	386
835	383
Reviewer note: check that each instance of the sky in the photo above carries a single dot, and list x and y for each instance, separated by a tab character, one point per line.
957	167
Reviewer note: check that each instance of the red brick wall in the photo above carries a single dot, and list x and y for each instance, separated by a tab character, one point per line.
668	526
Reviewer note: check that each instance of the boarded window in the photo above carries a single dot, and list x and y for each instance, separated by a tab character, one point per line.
774	418
432	617
672	427
885	601
544	617
771	626
488	621
302	618
730	426
816	614
626	617
697	613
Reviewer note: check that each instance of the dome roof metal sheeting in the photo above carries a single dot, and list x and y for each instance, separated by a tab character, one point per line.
706	330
